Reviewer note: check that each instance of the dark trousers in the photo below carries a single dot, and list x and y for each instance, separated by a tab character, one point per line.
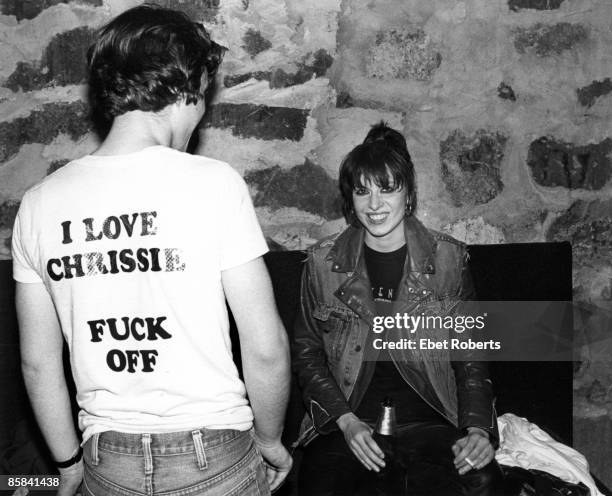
423	466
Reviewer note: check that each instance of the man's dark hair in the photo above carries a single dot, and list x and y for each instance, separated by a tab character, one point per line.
382	153
147	58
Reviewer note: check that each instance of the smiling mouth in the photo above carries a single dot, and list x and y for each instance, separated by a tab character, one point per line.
377	218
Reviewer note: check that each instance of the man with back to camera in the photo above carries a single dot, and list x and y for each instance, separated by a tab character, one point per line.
386	263
130	253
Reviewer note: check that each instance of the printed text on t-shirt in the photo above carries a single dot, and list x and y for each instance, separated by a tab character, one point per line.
125	260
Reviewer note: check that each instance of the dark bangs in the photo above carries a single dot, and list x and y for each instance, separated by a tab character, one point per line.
373	161
378	162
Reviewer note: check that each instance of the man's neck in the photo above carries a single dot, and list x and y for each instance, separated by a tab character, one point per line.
135	131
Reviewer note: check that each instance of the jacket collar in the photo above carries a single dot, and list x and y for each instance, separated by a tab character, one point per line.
346	252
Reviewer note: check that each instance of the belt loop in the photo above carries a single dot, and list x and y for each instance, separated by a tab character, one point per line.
199	449
95	459
146	450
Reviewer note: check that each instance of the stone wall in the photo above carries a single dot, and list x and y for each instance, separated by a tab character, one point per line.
506	105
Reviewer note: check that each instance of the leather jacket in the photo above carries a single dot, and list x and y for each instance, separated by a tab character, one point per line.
336	315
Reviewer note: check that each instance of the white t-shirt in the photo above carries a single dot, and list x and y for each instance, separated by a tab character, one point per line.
131	250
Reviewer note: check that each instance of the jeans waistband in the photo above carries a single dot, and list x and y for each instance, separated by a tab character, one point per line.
166	443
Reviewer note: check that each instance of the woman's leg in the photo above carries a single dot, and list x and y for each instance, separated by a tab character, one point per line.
426	459
330	468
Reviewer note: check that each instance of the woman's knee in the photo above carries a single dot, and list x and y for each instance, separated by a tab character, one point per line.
484	482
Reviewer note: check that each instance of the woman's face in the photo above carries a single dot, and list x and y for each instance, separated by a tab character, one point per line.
381	212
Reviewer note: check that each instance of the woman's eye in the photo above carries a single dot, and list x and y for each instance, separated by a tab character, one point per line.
360	191
390	189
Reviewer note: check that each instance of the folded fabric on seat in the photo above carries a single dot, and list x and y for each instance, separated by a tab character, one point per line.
523	444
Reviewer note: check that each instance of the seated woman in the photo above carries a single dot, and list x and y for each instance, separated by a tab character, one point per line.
387	264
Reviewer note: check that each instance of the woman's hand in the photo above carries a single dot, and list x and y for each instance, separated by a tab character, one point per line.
358	436
473	451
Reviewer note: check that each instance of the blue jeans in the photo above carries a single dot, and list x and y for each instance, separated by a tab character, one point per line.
200	462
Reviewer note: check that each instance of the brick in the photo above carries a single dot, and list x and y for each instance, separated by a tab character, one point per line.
8	212
557	163
43	126
506	92
471	166
402	55
589	94
255	43
29	9
258	121
516	5
546	40
64	62
306	187
588	227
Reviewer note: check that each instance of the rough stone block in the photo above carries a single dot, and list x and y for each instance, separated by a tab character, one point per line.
306	187
56	164
258	121
27	77
471	166
592	438
588	94
231	80
307	69
597	393
506	92
43	126
198	10
29	9
64	62
344	100
402	55
475	231
557	163
588	227
312	65
516	5
255	43
8	212
273	245
545	40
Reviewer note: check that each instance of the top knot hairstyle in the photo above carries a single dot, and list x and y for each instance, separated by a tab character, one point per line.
382	155
148	58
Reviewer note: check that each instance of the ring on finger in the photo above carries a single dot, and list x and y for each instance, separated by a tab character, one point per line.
469	462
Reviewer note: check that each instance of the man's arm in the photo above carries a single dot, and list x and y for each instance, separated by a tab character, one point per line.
265	358
41	344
